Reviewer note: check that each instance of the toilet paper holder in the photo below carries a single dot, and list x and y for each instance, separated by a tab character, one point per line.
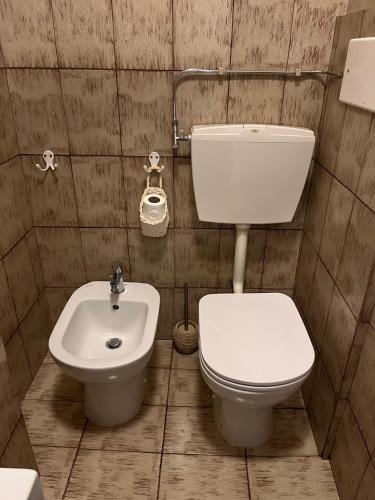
154	159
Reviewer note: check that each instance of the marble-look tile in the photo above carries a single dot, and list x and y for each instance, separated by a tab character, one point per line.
18	452
166	321
36	264
349	457
99	188
193	246
15	216
145	99
51	194
54	423
53	488
52	384
8	136
91	106
360	336
280	258
362	394
19	271
203	478
358	258
18	366
254	258
8	318
339	209
305	274
27	33
194	296
61	255
366	184
202	33
151	259
143	433
143	36
291	436
367	486
289	477
161	354
295	401
54	464
84	34
185	361
187	388
103	248
157	386
57	298
95	474
38	110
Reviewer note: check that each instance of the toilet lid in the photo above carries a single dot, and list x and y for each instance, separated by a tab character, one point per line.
255	339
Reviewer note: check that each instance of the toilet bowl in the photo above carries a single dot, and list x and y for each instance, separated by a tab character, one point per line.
254	354
105	340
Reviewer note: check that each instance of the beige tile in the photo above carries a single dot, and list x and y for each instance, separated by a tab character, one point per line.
360	335
295	401
305	274
166	321
203	478
367	486
197	257
57	298
103	248
91	106
291	436
53	489
51	194
18	365
54	466
8	318
58	423
366	185
8	135
185	361
96	475
19	271
143	37
145	111
280	258
52	384
302	478
10	409
18	452
61	255
151	259
84	34
202	33
194	296
36	264
23	41
161	355
38	110
99	188
157	386
187	388
143	433
193	431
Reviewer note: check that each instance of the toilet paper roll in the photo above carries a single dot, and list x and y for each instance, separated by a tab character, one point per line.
153	206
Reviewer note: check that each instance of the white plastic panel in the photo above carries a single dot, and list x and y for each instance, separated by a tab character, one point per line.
358	85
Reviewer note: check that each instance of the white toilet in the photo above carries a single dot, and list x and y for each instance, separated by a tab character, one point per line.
254	349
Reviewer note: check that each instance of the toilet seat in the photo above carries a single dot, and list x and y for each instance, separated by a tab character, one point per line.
253	341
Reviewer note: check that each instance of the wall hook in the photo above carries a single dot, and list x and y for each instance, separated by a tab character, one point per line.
154	159
48	157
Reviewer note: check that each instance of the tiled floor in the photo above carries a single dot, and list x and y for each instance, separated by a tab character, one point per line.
172	449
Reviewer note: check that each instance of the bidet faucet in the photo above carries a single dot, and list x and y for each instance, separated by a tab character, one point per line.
117	280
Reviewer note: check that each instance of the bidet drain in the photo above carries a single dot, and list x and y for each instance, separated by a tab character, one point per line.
113	343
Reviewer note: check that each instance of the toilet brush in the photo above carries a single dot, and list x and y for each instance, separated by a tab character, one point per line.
185	333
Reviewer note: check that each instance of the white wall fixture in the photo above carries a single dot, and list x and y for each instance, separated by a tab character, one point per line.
49	158
358	84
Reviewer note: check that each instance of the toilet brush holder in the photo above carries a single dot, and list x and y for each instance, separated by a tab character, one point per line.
185	333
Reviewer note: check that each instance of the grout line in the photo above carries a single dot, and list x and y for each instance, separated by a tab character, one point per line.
247	474
75	458
9	159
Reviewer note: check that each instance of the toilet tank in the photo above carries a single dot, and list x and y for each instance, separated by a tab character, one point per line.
249	174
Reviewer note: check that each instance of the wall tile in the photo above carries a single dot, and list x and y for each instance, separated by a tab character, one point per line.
19	452
367	486
143	34
19	271
166	319
358	257
202	33
18	366
102	248
366	185
99	189
368	21
280	258
8	136
145	112
90	99
27	33
57	298
358	341
194	296
36	264
355	5
51	193
61	256
305	274
38	110
84	34
151	259
8	319
197	245
338	213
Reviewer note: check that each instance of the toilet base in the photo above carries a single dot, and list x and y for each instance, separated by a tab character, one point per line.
114	403
241	424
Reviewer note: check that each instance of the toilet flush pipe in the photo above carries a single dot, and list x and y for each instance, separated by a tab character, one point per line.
242	233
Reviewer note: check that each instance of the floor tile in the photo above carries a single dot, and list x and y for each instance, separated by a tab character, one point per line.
203	478
187	388
54	468
186	361
193	431
48	358
52	489
52	384
303	478
142	433
57	423
292	436
295	401
161	355
114	475
157	386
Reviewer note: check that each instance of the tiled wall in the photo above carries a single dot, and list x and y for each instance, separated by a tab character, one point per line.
335	285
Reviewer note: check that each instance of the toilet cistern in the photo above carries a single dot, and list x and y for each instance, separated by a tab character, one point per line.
117	280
